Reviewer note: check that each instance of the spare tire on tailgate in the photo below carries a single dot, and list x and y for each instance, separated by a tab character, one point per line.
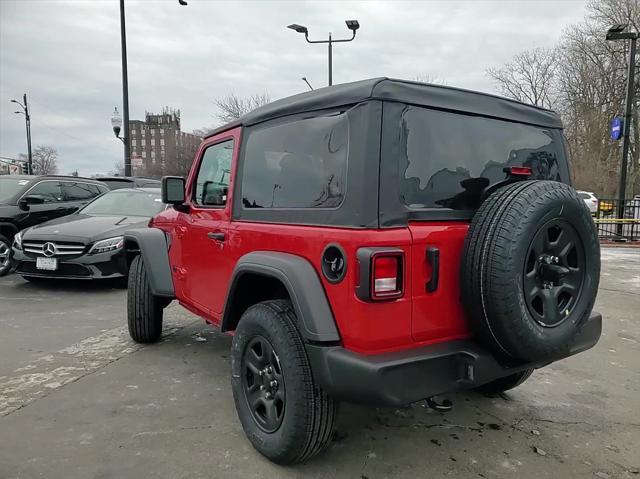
531	270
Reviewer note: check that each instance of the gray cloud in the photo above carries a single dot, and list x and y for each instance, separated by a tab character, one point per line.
66	56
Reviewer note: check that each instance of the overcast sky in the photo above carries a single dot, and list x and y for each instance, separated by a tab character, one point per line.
66	56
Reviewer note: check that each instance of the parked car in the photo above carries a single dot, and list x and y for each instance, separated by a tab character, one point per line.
29	200
590	200
117	182
87	244
380	242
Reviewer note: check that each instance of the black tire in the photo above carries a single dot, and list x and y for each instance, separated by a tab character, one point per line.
144	311
506	383
512	305
304	416
5	250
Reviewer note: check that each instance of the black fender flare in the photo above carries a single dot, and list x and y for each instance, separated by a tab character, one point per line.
6	226
299	277
152	245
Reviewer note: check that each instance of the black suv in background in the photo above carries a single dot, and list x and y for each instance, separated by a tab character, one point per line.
118	182
29	200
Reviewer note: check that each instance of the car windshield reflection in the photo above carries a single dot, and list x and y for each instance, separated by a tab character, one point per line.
126	203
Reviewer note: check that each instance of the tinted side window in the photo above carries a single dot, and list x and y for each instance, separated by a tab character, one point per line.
79	191
300	164
50	191
212	182
449	158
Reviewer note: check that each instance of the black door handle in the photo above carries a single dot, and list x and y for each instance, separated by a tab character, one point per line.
433	257
216	236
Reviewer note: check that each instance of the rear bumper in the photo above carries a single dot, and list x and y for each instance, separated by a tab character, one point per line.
396	379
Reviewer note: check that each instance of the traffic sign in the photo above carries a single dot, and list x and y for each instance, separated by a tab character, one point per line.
616	128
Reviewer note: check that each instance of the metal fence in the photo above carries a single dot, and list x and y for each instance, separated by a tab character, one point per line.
611	226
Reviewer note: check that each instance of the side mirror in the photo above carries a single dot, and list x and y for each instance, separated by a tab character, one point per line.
28	200
173	190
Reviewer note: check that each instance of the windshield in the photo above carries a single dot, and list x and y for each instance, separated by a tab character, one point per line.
126	203
9	187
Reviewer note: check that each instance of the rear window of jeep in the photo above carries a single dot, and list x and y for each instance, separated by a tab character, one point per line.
449	157
298	164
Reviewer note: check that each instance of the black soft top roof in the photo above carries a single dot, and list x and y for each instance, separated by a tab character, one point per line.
389	89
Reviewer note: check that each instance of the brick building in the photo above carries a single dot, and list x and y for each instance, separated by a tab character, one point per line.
159	146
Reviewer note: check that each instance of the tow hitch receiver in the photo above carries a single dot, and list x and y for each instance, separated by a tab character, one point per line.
439	404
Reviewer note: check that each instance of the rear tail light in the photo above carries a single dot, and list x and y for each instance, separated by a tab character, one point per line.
386	275
380	273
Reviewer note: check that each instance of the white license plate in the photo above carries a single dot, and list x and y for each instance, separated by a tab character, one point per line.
49	264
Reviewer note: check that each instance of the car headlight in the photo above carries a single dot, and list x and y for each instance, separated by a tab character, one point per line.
17	240
109	244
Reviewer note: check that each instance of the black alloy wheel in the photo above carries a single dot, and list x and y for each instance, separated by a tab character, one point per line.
263	384
554	273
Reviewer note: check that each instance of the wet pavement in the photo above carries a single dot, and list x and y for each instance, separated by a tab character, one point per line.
78	399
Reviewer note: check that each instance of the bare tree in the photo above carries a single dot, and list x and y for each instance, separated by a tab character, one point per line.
118	168
428	78
529	77
584	79
231	107
45	160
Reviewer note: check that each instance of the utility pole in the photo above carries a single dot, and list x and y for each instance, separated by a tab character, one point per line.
25	112
618	32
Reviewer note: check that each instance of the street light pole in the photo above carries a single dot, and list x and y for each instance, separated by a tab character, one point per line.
307	82
618	32
331	58
125	92
352	25
25	112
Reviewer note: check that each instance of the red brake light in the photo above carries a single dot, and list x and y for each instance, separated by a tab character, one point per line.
520	171
387	276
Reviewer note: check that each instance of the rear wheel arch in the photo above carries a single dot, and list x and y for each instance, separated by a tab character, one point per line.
263	275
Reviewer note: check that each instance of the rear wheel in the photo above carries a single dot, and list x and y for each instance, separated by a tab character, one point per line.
508	382
285	415
5	250
144	310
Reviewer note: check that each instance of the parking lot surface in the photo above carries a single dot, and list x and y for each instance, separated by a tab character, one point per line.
78	399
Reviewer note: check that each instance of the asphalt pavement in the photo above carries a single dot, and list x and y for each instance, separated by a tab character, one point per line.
79	399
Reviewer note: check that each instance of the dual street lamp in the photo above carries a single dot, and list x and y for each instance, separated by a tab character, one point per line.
116	120
27	119
352	25
615	33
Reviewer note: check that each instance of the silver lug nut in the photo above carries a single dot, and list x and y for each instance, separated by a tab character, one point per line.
261	388
273	384
268	395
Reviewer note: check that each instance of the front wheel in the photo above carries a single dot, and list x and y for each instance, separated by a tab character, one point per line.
144	310
285	415
5	257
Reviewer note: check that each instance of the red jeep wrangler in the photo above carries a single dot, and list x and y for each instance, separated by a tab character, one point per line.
382	242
